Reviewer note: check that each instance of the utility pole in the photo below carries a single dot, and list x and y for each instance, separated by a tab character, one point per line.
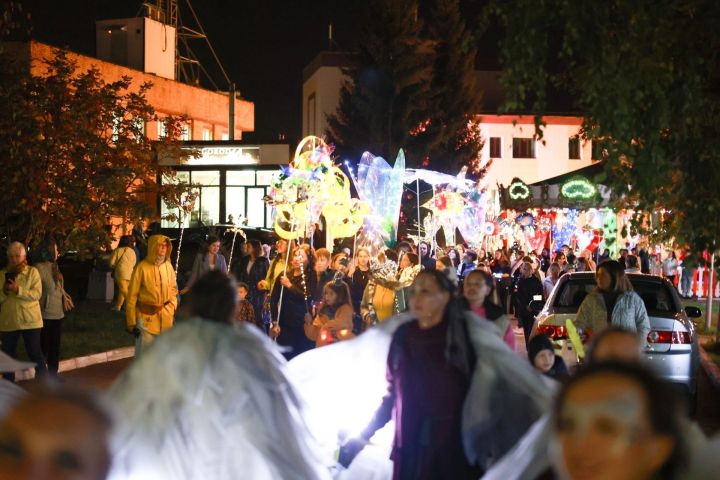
231	122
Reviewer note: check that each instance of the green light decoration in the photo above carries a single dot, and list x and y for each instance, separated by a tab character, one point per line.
518	190
610	231
578	188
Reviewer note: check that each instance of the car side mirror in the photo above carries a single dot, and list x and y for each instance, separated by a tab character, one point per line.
693	312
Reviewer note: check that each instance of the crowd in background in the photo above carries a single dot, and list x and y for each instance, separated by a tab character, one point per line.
457	347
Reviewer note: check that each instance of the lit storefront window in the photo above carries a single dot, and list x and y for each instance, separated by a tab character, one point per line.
223	193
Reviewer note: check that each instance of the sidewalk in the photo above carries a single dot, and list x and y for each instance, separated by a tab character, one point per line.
82	362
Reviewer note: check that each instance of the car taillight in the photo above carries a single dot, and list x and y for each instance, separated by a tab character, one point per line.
556	332
668	337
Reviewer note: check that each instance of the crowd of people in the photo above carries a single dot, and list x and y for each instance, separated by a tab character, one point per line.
211	397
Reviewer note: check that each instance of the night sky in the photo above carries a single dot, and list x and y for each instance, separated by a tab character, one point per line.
263	45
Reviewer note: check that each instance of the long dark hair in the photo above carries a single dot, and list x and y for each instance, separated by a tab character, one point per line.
620	282
458	350
492	310
126	241
213	297
47	254
342	290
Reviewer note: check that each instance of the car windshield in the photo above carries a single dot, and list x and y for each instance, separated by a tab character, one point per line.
657	297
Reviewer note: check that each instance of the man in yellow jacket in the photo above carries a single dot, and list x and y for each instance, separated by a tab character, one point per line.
152	294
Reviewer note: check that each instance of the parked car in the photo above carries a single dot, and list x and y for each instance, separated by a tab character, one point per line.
672	344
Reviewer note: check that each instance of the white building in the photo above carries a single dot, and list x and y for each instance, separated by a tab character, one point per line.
514	151
322	81
509	139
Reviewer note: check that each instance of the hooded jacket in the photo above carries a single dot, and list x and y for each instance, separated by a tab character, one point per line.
152	288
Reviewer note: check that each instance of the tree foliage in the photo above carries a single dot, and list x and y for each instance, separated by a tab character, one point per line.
452	138
646	75
411	87
74	154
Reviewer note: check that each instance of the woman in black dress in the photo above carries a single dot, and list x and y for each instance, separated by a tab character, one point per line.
295	287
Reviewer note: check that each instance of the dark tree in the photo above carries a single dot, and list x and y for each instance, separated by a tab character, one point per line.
450	136
387	92
74	153
646	75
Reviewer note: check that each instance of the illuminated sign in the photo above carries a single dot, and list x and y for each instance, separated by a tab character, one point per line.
215	155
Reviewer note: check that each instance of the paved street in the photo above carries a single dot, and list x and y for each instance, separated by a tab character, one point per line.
101	377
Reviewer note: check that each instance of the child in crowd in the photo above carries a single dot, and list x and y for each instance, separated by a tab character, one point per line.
322	271
334	319
245	310
542	356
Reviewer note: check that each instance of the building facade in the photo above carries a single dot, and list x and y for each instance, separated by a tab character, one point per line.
231	177
509	139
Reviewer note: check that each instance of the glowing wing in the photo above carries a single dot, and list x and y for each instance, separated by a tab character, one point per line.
210	401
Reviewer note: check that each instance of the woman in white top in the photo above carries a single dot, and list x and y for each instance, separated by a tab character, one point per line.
553	274
670	266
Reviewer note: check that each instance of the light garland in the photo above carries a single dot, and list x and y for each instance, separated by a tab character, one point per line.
579	188
518	190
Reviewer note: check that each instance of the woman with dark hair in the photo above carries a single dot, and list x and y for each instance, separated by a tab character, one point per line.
454	257
51	304
334	319
295	287
429	369
358	276
408	268
426	259
443	367
123	262
210	259
213	297
545	260
251	270
478	289
613	302
528	287
500	268
628	416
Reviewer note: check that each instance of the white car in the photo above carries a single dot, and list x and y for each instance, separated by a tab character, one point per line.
672	344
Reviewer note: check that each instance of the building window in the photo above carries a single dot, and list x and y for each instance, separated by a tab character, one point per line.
244	196
311	115
139	128
206	210
523	148
224	193
495	147
599	150
207	134
116	127
185	133
574	148
162	129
